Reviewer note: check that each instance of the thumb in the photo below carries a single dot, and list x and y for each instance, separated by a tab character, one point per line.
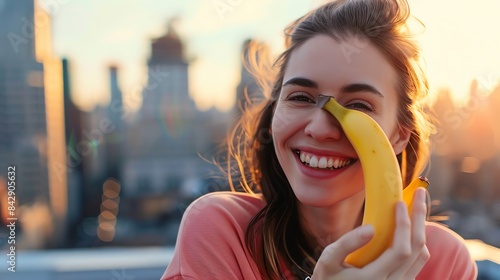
333	255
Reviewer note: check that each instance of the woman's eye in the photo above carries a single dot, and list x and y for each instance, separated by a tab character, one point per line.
361	105
301	98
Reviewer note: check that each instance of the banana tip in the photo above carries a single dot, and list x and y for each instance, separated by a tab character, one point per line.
322	100
423	178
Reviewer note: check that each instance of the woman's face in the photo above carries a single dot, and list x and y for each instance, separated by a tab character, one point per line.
319	161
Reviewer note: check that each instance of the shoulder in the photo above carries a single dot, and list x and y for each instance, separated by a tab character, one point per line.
211	239
226	206
222	217
450	258
441	237
228	199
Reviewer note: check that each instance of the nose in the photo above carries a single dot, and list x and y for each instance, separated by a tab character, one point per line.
323	126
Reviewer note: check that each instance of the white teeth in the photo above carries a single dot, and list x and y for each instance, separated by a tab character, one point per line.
322	162
313	162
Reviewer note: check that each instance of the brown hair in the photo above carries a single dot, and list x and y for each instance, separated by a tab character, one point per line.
275	232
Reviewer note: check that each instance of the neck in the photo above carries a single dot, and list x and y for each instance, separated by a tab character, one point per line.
324	225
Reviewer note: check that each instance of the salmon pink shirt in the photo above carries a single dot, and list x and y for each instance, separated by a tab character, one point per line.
211	243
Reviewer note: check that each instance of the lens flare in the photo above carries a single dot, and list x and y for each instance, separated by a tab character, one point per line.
172	117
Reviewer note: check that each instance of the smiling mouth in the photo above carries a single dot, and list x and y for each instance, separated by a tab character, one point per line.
323	162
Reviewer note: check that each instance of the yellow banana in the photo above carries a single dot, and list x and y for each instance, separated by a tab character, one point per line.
420	182
382	176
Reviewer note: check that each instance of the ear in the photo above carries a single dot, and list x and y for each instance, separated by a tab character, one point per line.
400	139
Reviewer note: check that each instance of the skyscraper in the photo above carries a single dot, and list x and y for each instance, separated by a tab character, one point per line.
22	104
31	116
164	142
114	138
75	157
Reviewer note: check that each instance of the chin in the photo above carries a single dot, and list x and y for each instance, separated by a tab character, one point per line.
319	196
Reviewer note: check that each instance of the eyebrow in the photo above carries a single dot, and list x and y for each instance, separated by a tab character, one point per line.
360	87
350	88
303	82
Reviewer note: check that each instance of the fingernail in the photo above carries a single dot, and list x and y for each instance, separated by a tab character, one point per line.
366	231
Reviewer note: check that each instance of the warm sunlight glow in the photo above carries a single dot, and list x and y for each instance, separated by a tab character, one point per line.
212	84
470	165
460	43
481	251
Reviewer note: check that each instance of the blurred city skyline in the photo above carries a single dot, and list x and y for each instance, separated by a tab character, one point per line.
213	32
458	42
89	176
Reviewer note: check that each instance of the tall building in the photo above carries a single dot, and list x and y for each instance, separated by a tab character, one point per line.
32	119
22	105
168	135
76	153
114	131
54	104
164	168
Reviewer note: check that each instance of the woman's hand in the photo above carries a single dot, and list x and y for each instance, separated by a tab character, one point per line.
403	260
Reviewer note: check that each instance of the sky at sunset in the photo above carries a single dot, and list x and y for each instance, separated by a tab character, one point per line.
460	42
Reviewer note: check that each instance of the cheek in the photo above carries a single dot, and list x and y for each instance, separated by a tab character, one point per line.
282	119
387	116
277	132
284	125
390	125
288	119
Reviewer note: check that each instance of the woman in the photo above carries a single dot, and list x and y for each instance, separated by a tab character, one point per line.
302	210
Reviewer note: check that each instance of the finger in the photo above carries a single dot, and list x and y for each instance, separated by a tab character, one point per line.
421	260
414	262
418	214
333	256
400	249
420	252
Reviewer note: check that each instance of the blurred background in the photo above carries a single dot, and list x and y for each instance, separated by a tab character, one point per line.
111	112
